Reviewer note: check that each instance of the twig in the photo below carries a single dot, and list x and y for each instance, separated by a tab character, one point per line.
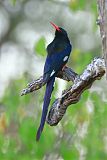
67	74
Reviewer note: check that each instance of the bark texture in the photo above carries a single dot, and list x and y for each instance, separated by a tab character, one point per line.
102	22
94	71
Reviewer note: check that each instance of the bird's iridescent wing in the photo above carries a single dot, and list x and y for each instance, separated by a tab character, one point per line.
55	62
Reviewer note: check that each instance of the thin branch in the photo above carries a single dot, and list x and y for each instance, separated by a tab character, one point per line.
94	71
67	74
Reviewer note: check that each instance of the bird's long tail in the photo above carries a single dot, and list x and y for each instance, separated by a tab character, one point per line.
48	92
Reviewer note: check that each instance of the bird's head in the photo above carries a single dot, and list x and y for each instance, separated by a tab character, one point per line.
59	31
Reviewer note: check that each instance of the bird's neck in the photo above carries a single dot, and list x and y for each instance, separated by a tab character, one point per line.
58	45
61	38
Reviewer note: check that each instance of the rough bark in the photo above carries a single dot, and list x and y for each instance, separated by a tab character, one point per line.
67	74
102	22
94	71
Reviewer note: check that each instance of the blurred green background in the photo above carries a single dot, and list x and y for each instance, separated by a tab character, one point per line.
25	32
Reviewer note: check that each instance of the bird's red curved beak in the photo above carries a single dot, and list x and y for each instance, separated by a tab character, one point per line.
55	26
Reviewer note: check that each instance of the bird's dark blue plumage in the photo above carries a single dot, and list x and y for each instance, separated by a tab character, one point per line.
58	54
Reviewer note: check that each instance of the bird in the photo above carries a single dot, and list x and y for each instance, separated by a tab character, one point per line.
58	52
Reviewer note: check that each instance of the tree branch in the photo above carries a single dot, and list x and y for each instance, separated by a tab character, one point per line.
102	21
94	71
67	74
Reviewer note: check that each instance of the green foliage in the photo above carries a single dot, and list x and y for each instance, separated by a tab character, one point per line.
17	139
13	2
83	4
38	49
82	59
77	4
97	130
20	116
20	128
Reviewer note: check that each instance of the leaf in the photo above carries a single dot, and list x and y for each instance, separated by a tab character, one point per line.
13	2
77	5
40	47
